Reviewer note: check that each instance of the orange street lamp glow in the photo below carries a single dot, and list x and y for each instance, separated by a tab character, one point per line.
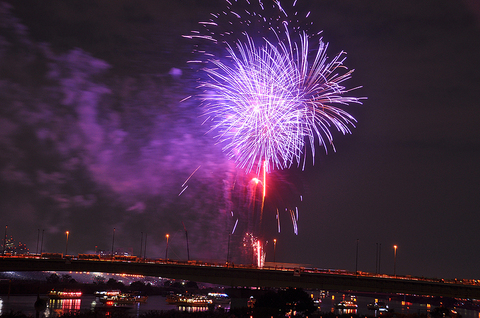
395	260
66	244
166	249
274	248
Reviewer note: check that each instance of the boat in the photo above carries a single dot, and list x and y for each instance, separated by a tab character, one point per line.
111	297
346	304
171	299
219	298
378	305
189	301
140	298
66	294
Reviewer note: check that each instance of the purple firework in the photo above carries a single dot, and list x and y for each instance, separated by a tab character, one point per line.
270	97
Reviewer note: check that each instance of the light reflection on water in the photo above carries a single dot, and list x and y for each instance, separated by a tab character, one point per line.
55	308
192	309
404	307
58	307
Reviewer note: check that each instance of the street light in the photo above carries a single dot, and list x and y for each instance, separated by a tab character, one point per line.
38	240
377	258
228	248
141	244
166	250
5	240
395	260
41	244
145	247
274	248
66	244
113	241
356	260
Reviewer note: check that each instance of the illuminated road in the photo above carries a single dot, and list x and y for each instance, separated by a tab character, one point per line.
244	276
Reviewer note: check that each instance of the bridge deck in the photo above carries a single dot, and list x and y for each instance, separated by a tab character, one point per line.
241	276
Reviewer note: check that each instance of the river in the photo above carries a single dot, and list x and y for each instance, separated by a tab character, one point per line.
25	304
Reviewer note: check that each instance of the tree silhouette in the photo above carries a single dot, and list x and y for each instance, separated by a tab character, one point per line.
277	304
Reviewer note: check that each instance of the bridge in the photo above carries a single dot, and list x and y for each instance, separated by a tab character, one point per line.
249	276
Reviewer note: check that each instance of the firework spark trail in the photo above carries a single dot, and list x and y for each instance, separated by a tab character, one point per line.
234	227
184	186
264	186
294	221
190	176
278	221
184	99
183	190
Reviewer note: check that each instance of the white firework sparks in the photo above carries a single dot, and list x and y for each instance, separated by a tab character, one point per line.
267	101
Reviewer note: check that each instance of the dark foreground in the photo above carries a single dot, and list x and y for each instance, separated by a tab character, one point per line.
237	313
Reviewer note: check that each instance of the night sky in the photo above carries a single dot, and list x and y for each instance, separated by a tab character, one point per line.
94	135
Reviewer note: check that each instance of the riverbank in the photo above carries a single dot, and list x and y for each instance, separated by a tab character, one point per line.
20	306
242	313
41	283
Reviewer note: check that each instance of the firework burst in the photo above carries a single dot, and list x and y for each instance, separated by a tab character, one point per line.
270	98
271	95
270	101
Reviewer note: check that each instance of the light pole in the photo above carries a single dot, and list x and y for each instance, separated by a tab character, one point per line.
66	244
166	249
274	249
395	260
379	256
5	240
41	244
38	240
356	260
188	250
141	244
145	247
113	241
228	248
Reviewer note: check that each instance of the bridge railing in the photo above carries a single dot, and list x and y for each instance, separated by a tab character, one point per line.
281	267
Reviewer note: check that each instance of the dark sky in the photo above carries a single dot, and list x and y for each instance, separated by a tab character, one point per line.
93	136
